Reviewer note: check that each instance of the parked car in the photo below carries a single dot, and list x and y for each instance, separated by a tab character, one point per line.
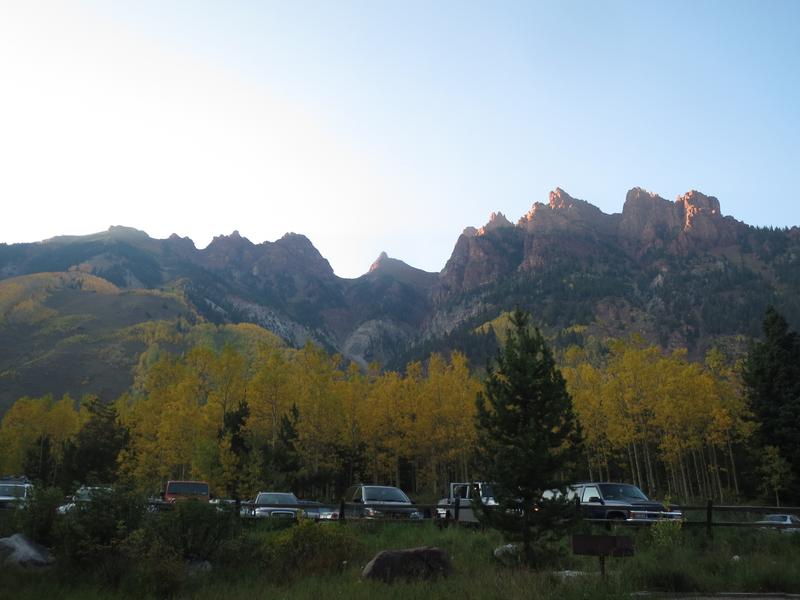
379	502
311	508
328	513
182	490
14	491
274	505
83	495
464	494
618	501
785	523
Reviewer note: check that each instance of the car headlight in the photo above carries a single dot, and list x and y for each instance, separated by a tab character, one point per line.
371	512
415	515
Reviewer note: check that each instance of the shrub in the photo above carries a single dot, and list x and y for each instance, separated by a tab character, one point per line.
91	533
155	568
312	548
37	517
666	533
195	529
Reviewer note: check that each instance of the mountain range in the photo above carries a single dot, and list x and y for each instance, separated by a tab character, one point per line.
678	272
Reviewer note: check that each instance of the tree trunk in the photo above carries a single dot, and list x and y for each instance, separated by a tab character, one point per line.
716	473
630	460
638	467
733	468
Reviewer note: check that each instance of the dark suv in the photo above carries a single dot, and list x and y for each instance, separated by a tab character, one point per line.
378	502
618	501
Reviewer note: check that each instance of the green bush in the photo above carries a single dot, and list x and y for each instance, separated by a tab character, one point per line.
90	534
311	547
37	517
666	533
195	529
155	568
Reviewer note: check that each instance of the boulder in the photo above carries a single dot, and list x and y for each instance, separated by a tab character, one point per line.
21	551
198	567
509	555
412	564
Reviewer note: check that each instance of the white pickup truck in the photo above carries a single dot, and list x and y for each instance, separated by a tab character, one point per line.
462	495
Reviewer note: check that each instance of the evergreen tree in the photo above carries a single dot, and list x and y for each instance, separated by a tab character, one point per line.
92	456
528	440
772	378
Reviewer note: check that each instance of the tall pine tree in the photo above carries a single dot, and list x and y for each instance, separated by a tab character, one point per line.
528	439
772	377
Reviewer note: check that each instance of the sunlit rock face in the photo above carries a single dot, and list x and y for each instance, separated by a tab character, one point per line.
563	213
648	219
693	222
481	259
497	220
702	220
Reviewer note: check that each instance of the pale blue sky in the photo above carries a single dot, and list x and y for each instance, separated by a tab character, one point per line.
373	126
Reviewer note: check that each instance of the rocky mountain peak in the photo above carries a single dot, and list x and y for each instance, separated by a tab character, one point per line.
565	213
497	220
561	199
380	261
646	216
232	240
122	232
183	244
697	202
400	271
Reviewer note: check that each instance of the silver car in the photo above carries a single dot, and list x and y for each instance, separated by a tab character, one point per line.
786	523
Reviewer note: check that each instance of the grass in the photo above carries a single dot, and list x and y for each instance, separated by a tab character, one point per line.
689	563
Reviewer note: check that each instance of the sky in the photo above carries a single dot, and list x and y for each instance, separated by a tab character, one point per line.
387	126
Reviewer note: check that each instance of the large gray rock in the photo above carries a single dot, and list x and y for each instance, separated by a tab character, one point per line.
21	551
415	563
509	555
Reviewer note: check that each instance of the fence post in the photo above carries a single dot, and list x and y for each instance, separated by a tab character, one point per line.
709	511
341	511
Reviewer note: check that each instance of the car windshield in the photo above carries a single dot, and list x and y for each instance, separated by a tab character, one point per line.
487	491
621	491
276	498
188	488
385	494
15	491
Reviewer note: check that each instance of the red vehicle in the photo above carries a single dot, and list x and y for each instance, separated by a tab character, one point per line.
183	490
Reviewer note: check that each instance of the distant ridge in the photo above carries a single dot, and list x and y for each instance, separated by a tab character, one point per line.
679	273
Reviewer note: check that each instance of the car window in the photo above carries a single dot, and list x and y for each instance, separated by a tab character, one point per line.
357	495
384	494
775	518
487	491
462	491
187	488
621	491
275	498
15	491
795	520
589	492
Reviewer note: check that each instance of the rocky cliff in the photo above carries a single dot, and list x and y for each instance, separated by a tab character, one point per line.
659	267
